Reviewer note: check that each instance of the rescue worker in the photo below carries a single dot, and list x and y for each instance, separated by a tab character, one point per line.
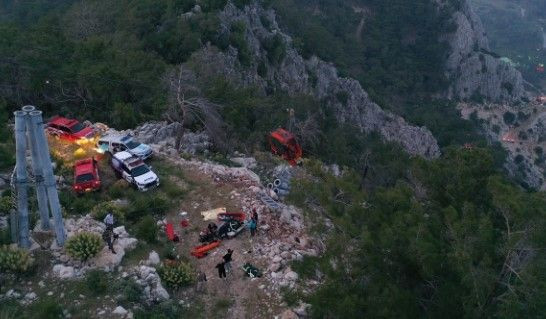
109	220
227	260
252	227
201	279
221	269
108	235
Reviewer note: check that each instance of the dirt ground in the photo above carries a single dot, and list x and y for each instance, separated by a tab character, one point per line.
237	296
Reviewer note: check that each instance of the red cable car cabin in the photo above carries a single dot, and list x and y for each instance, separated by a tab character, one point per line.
283	143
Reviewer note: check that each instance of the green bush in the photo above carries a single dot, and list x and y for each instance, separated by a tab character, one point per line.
146	229
46	309
147	204
130	291
14	259
97	281
177	276
84	245
100	210
5	205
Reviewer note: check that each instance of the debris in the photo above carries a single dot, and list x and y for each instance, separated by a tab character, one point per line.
213	213
251	271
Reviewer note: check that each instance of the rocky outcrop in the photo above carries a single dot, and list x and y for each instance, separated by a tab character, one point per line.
473	70
295	75
524	137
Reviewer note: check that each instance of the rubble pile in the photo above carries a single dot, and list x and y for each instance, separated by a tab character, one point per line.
67	267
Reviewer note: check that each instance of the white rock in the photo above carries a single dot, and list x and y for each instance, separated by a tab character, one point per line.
153	258
41	284
302	309
275	267
160	293
277	259
121	232
291	275
63	272
31	296
120	311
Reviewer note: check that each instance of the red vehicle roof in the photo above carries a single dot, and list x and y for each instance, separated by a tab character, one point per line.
84	166
59	120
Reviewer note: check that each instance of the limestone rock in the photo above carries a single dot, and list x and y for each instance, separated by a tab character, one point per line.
120	311
153	258
63	272
289	314
472	69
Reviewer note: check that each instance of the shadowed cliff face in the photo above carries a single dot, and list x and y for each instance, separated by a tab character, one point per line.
296	75
474	71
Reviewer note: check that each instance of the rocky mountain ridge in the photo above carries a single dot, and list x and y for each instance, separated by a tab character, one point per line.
473	70
295	75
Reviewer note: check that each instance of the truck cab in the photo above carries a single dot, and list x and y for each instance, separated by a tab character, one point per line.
118	143
86	176
133	169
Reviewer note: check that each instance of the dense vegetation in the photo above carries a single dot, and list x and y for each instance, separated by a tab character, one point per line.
453	240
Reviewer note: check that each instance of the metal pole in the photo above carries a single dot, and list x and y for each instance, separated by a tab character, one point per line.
41	193
13	226
21	182
49	178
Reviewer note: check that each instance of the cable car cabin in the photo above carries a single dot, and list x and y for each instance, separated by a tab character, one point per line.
284	144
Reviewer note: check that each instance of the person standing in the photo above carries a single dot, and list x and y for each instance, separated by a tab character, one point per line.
109	220
107	236
221	269
201	279
227	260
255	215
252	227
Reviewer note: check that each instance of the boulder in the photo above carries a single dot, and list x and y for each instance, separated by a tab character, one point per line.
291	276
120	311
289	314
63	272
302	309
275	267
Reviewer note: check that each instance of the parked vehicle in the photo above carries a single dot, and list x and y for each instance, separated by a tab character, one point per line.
86	176
134	170
117	143
69	129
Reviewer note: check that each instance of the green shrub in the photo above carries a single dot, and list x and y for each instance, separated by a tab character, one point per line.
509	118
147	204
14	259
146	229
97	281
130	291
177	276
46	309
5	205
100	210
84	245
